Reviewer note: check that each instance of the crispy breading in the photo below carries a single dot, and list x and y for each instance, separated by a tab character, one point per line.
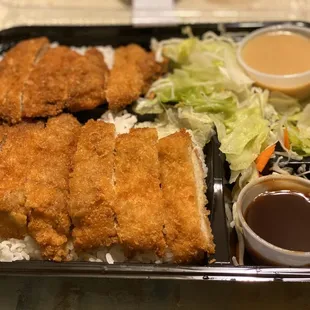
65	79
46	90
187	228
150	69
92	195
125	84
16	158
14	70
139	204
86	84
47	186
133	72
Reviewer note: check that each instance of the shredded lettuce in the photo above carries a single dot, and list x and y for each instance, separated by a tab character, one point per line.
207	90
148	106
298	128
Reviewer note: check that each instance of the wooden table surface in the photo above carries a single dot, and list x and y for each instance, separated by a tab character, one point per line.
21	12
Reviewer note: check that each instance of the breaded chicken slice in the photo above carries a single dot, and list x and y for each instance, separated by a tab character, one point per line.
15	68
133	72
64	79
92	195
47	186
46	90
87	81
16	158
125	84
139	201
150	69
187	227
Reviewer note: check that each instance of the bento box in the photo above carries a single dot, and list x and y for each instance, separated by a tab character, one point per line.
218	266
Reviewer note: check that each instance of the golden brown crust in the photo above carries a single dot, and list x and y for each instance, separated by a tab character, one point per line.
65	79
46	90
14	70
92	195
47	186
139	205
87	79
133	72
16	157
124	85
184	235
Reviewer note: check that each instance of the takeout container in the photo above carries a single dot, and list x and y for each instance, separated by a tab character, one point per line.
297	85
260	249
222	268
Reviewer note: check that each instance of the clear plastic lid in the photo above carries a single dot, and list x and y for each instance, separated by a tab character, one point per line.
53	12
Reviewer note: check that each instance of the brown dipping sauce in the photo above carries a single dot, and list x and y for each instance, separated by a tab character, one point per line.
282	218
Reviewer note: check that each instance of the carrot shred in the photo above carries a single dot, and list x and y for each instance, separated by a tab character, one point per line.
263	157
151	95
286	139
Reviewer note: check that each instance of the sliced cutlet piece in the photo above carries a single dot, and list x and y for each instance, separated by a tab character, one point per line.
92	195
133	72
187	227
87	79
14	71
47	186
46	90
125	83
16	158
150	69
139	201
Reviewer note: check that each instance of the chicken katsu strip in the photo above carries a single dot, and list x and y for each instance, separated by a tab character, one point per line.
187	228
92	195
133	72
139	204
14	70
65	79
16	157
150	69
47	186
125	83
88	75
46	90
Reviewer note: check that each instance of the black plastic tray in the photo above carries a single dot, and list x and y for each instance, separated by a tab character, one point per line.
222	269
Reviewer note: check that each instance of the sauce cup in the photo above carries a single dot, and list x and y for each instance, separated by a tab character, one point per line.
297	85
262	251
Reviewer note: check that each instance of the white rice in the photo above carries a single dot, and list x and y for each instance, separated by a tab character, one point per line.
122	120
14	249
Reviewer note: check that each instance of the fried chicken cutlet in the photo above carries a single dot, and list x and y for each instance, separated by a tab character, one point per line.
133	72
187	227
16	158
47	186
139	201
64	79
14	70
35	163
92	195
38	81
45	91
87	80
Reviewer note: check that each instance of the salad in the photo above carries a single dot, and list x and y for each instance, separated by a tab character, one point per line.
208	92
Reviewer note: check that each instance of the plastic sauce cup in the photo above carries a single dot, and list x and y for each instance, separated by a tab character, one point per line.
296	85
262	251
